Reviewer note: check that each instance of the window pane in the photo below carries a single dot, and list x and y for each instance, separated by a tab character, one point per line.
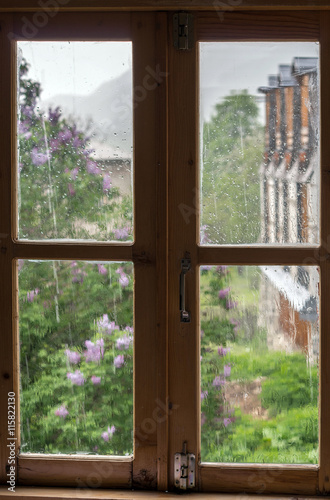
259	143
259	364
75	141
76	357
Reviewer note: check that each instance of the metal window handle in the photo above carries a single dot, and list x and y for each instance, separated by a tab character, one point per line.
185	267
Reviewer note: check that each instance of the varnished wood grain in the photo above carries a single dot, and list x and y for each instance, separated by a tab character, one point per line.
80	473
257	26
162	254
324	479
8	373
77	5
184	378
145	304
295	480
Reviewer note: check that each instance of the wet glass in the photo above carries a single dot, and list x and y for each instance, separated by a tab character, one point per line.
259	143
259	364
74	147
76	357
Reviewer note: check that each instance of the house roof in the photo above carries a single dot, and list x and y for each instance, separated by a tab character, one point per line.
303	65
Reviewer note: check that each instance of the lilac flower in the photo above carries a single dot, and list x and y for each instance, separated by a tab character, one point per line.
92	167
218	380
23	127
38	158
94	351
65	135
73	357
203	419
106	327
226	422
77	378
102	269
108	434
96	380
202	334
230	304
71	189
204	395
224	292
74	173
61	411
124	280
119	361
27	135
77	142
54	144
129	330
54	115
106	183
124	342
121	234
20	264
227	370
206	268
32	294
223	351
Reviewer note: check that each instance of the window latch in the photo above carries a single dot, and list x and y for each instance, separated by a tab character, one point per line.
183	31
185	267
184	469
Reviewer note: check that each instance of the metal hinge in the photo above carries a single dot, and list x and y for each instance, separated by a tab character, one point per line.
183	31
184	469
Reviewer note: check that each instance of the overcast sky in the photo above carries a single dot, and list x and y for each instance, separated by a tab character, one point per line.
79	68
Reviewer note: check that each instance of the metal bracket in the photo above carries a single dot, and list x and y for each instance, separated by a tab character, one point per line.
184	469
185	267
183	31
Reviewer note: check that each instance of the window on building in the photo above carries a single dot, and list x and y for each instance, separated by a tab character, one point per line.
164	263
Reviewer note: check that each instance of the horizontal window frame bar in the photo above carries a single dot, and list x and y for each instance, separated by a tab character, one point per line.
302	480
261	256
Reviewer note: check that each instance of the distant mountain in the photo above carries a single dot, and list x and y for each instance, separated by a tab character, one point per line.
105	115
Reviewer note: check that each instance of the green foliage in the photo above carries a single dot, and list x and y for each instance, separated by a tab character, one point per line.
232	153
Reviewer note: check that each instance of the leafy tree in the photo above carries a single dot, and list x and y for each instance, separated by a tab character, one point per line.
232	153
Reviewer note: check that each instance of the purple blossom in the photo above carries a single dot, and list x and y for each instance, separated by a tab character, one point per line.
94	351
203	419
61	411
206	268
74	173
54	115
54	144
204	395
223	351
77	142
231	304
226	422
106	327
218	380
109	433
20	264
32	294
129	330
92	167
73	357
65	135
77	378
119	361
106	183
95	380
102	269
224	292
38	158
124	280
227	370
121	234
124	342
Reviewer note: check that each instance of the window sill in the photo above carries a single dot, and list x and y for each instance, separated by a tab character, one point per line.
92	494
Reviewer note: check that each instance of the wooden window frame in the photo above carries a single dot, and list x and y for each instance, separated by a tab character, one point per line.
174	155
